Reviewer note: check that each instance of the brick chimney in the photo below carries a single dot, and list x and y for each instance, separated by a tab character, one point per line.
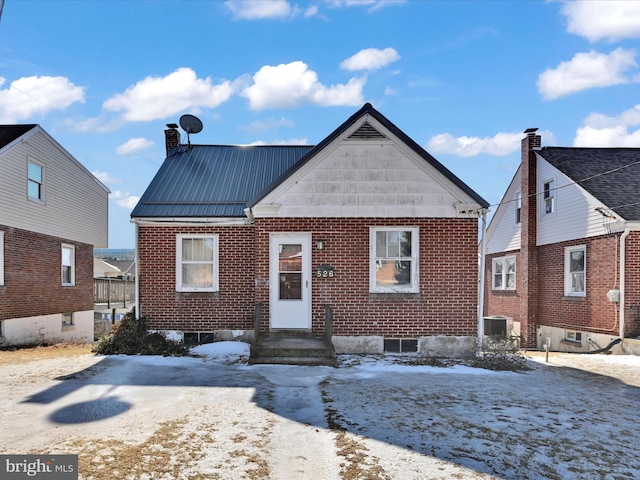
527	271
171	137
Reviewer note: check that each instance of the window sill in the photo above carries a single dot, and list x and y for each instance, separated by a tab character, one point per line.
67	328
575	343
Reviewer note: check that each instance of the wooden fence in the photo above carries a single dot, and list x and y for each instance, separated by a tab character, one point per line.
113	291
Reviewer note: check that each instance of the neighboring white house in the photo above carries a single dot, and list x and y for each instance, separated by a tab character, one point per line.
54	211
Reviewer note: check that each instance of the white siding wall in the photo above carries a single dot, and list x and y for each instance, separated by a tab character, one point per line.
76	205
367	179
575	215
504	233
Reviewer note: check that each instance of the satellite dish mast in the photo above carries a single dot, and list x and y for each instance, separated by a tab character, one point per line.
190	124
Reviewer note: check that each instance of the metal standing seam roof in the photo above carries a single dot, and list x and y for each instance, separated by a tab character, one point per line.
611	175
214	180
222	180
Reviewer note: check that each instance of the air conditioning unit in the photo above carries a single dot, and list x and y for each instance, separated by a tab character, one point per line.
495	325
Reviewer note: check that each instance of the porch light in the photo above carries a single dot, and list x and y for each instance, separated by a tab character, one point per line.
319	244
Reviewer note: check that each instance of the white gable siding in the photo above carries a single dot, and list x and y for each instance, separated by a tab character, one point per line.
76	204
366	178
575	216
503	234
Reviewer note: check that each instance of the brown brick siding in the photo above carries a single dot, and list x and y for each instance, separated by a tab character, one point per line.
445	305
592	313
32	275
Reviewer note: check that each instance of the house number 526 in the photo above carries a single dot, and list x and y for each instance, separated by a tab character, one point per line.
325	271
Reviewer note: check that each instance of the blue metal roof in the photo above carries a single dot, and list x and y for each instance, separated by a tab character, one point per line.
214	180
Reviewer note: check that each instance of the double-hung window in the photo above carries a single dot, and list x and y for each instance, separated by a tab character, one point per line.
68	265
197	263
394	260
504	273
35	181
575	269
549	197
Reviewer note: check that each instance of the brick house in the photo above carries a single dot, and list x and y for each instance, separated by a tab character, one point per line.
366	222
563	248
54	211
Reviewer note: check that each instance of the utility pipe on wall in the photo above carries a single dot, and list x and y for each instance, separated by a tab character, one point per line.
481	282
623	237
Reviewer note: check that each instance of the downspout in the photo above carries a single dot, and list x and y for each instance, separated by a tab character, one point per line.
481	282
137	281
623	237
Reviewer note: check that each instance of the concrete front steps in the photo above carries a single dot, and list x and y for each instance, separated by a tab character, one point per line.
292	347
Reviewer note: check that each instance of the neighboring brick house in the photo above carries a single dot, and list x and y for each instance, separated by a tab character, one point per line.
563	248
54	211
366	223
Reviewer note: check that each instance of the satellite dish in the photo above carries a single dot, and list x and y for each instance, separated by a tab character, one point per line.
190	124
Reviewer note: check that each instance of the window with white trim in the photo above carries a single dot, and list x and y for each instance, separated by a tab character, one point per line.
548	197
35	181
575	269
1	258
503	272
197	263
393	260
518	207
68	265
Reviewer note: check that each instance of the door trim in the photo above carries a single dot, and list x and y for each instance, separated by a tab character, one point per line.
304	323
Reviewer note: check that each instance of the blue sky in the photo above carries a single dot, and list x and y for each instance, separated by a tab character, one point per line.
464	79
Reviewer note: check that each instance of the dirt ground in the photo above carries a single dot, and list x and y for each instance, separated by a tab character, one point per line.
191	418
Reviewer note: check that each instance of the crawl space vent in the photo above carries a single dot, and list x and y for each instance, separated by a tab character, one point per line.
366	132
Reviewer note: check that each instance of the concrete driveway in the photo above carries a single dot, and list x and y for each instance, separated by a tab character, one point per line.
217	418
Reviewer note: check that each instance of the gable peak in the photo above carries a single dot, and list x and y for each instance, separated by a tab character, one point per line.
366	131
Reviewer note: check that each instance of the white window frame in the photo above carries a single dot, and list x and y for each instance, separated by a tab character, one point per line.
72	265
180	287
1	258
549	199
568	277
414	286
518	202
41	183
573	336
503	262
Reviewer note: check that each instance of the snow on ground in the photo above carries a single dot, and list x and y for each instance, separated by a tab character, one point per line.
214	416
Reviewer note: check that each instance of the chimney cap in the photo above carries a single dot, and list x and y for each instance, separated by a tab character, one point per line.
531	130
172	125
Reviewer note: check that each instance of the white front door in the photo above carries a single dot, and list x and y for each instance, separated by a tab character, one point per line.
289	281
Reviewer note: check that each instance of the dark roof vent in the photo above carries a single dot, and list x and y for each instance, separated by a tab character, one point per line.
366	132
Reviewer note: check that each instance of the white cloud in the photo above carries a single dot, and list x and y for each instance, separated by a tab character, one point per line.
105	178
597	20
604	131
268	124
293	84
133	145
29	96
372	5
259	9
160	97
585	71
498	145
370	59
124	200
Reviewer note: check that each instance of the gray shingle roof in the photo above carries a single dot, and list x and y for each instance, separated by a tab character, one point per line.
8	133
612	175
214	180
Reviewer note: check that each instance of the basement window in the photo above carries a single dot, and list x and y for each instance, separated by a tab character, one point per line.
67	321
400	345
573	337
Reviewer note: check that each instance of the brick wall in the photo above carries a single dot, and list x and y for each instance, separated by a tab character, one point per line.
32	274
165	309
632	286
446	303
592	313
